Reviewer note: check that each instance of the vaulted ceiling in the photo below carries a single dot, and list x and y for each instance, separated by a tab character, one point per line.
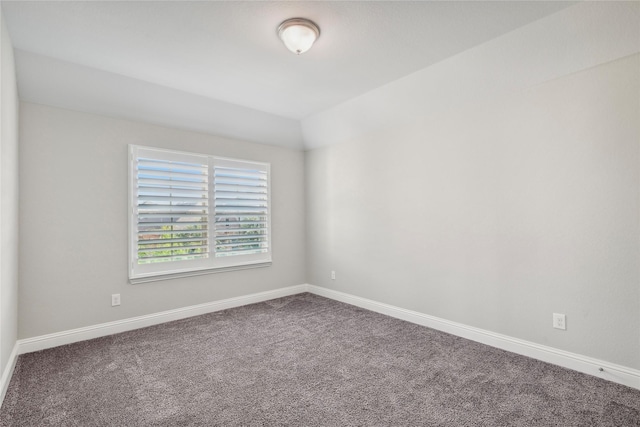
219	66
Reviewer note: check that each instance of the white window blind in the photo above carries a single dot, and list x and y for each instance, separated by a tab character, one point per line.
193	214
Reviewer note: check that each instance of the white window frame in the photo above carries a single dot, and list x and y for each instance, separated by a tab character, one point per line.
140	273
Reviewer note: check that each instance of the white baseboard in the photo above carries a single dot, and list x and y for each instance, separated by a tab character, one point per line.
81	334
588	365
612	372
5	379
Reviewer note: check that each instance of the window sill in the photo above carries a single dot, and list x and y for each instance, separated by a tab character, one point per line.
176	275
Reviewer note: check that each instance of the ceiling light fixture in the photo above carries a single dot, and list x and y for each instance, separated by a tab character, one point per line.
298	34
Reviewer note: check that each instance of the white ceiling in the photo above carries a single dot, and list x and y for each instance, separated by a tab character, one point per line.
228	52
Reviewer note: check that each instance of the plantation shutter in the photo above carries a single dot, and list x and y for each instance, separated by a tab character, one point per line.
172	201
241	208
194	213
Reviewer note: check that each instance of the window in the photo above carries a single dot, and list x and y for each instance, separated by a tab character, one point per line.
195	214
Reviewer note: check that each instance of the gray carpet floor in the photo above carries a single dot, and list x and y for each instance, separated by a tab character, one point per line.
302	360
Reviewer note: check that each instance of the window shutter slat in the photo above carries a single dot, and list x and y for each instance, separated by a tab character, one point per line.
241	225
171	184
177	226
151	231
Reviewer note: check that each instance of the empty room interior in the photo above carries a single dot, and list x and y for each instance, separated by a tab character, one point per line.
320	213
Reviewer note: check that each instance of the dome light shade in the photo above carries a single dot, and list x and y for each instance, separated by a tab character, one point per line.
298	34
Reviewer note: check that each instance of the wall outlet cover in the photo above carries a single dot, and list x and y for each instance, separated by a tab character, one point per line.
115	300
559	321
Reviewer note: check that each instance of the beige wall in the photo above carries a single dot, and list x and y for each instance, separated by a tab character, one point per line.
73	208
496	214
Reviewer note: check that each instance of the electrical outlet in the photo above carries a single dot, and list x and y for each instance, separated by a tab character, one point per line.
115	300
559	321
333	275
